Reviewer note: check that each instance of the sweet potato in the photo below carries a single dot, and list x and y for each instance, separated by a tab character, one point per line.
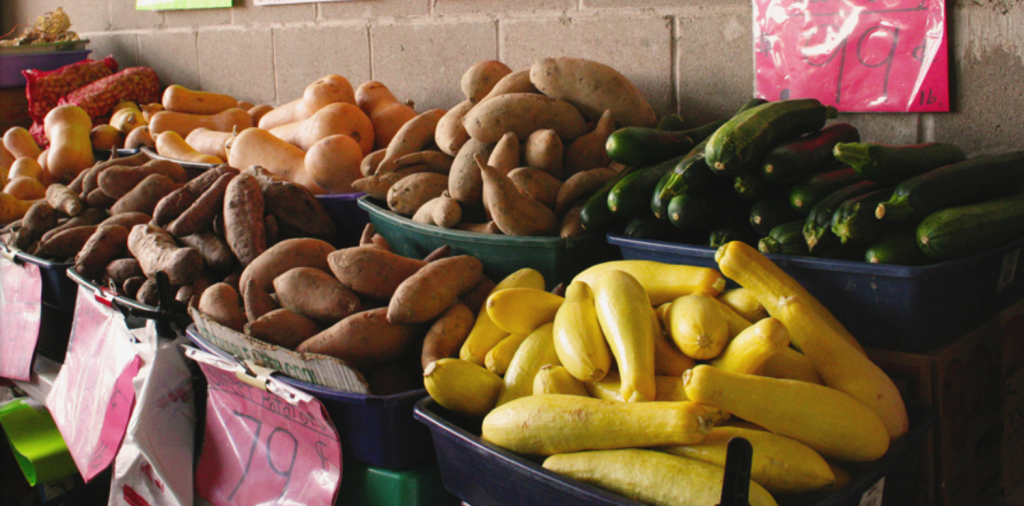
126	220
148	293
145	195
481	78
537	184
91	216
117	181
39	219
200	214
270	229
97	198
157	252
176	202
258	277
435	161
589	151
364	339
64	200
216	255
464	181
130	287
475	298
243	218
544	151
450	134
441	211
409	193
414	136
433	289
516	82
315	294
505	155
571	225
120	270
221	303
593	88
523	113
446	335
481	228
282	327
581	184
371	161
190	294
513	212
371	271
66	243
89	181
106	244
298	212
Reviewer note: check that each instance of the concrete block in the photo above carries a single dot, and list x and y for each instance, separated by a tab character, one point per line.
303	55
88	15
491	7
246	12
238	62
425	62
714	62
123	16
124	47
173	55
197	17
886	128
373	9
637	46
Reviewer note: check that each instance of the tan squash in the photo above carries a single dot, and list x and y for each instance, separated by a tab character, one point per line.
333	163
333	119
178	98
330	89
184	123
256	146
70	151
385	111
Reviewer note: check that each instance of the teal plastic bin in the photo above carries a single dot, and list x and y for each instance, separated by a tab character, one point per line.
376	486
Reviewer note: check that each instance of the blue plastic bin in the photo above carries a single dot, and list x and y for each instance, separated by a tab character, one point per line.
344	210
11	65
378	430
891	307
483	474
57	315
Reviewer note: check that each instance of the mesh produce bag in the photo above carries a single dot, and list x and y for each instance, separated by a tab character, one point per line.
135	84
45	88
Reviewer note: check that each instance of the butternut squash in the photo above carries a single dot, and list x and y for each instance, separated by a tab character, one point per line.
662	282
171	145
178	98
485	334
209	142
579	342
535	352
256	146
554	423
26	167
627	321
184	123
140	137
286	113
462	386
70	151
333	119
333	163
20	143
327	90
385	111
105	138
12	208
127	118
257	112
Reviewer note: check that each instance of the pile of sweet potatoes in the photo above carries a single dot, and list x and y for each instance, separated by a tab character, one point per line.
376	310
519	156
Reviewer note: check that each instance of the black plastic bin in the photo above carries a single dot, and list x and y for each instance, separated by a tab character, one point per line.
483	474
57	314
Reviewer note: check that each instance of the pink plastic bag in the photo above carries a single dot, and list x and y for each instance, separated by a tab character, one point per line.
44	88
21	289
856	55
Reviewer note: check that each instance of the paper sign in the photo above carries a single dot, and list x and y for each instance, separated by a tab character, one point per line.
273	446
21	290
143	5
92	397
856	55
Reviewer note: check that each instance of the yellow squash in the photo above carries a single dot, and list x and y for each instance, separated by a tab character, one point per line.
697	326
670	388
744	302
521	310
628	322
748	351
500	356
462	386
555	379
485	334
791	364
580	344
538	350
662	282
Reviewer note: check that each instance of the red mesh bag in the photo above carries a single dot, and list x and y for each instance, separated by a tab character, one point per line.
45	87
135	84
39	134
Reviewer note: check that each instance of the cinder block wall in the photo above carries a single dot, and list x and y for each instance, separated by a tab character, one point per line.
690	56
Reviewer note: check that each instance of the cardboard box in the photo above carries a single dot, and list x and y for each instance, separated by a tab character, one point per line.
976	385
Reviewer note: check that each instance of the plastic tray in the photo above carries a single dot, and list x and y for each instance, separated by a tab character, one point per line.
58	304
153	155
483	474
375	429
891	307
11	65
104	154
344	210
558	259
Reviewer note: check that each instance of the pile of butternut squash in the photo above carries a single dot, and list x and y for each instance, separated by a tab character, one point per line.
519	156
644	370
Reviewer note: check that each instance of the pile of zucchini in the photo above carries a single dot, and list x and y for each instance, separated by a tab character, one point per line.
776	177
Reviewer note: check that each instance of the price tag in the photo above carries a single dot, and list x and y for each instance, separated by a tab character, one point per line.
92	397
856	55
265	442
21	289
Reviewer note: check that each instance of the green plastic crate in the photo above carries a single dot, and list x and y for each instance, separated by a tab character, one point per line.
557	258
365	485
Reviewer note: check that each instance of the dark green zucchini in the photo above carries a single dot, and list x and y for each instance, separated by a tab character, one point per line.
595	216
798	159
787	239
806	194
744	140
967	182
671	123
700	210
642	146
767	214
751	186
966	230
648	228
855	223
630	196
898	247
733	231
818	226
658	206
890	165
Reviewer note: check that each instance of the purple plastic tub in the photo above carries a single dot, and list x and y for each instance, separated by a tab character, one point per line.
12	65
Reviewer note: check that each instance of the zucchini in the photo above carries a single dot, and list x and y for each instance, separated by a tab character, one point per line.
798	159
700	210
732	231
854	222
967	182
642	146
768	213
671	123
806	194
649	228
966	230
787	238
751	186
744	140
889	165
629	197
818	226
897	247
595	216
658	206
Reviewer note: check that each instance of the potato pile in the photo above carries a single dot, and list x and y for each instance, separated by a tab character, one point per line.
123	220
519	156
378	311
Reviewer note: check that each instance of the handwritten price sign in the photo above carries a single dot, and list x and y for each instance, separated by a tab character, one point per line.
21	289
857	55
273	446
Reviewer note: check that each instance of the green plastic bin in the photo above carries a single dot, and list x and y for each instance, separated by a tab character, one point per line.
557	258
376	486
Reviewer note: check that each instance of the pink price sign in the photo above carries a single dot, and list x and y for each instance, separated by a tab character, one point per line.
273	446
856	55
21	289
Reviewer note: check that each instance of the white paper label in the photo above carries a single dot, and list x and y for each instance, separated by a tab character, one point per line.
873	497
